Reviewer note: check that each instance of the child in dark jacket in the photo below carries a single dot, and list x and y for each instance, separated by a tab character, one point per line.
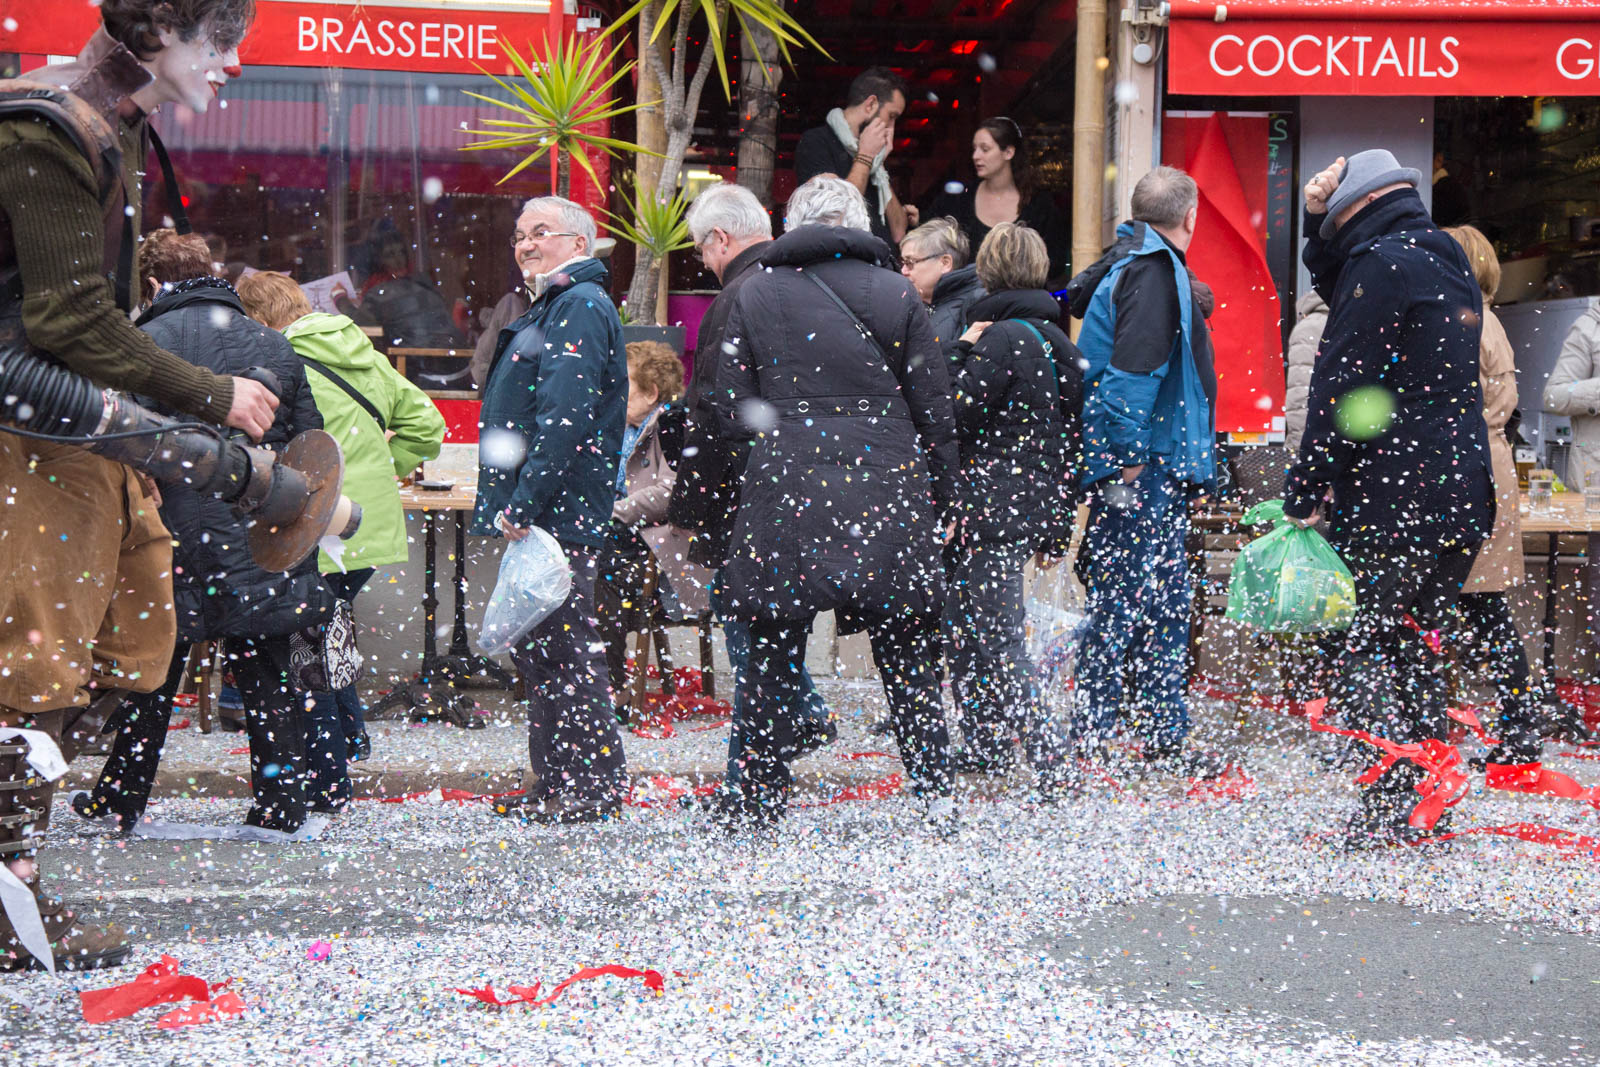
220	593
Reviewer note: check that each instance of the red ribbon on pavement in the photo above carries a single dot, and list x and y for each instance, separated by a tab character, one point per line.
1442	786
161	983
530	994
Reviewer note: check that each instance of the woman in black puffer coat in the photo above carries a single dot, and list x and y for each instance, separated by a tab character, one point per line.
219	591
1018	401
848	487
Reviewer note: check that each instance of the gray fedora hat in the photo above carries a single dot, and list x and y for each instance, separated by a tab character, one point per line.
1364	172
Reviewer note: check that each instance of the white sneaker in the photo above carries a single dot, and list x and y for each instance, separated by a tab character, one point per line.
939	815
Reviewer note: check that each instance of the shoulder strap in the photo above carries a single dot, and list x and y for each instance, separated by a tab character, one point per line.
337	379
1049	349
169	178
860	326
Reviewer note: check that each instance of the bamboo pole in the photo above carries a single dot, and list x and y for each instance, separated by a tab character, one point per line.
1089	135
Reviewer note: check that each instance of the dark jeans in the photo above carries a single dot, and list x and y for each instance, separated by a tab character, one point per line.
1496	645
618	584
1139	598
272	720
986	645
1386	680
812	711
336	720
906	649
574	745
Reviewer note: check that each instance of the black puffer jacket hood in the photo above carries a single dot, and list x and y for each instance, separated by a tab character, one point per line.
853	453
953	295
1019	406
218	589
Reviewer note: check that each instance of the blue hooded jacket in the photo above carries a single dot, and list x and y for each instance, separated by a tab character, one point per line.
554	405
1130	418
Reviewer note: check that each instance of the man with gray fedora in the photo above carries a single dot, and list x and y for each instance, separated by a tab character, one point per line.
1395	455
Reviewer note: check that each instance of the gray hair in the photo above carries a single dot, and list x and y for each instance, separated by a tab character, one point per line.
1164	196
733	209
827	200
941	237
573	217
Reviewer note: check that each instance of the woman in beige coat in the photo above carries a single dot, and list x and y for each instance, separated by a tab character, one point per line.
1493	641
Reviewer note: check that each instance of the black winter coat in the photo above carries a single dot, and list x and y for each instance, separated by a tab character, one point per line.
953	294
1403	323
218	589
705	496
853	460
1018	407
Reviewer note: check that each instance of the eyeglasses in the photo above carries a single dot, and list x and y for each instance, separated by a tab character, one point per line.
910	262
700	245
541	234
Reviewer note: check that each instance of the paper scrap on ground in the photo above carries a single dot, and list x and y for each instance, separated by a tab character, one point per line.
189	831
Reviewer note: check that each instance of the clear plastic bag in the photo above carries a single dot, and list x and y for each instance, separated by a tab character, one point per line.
1289	581
535	579
1054	628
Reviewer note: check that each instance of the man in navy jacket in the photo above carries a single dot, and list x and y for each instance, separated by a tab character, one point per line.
1395	453
554	405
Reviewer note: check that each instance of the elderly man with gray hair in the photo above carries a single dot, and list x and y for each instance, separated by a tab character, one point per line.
833	377
554	404
514	304
1148	446
730	230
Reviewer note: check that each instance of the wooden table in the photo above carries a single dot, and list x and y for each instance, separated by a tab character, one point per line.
1566	515
459	667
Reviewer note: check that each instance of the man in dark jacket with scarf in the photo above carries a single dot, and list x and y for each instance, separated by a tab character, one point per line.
554	405
1395	452
731	231
219	590
1148	447
836	380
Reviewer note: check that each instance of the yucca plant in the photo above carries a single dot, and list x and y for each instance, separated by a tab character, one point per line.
680	91
654	226
571	90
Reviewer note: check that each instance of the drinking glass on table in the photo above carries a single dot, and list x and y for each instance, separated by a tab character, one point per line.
1591	493
1541	491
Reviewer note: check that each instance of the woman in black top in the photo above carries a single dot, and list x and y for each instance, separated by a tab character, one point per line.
1004	193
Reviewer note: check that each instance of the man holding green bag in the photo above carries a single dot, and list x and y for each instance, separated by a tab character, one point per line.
1395	452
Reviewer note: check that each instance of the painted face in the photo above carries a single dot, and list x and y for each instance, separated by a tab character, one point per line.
923	271
988	158
191	73
535	246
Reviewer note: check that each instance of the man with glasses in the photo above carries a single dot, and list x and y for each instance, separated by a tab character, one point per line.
554	402
730	230
86	599
512	306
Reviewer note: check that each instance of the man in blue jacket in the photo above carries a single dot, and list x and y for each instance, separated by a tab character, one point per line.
1148	446
554	404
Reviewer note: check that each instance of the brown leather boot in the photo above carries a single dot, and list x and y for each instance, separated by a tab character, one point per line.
75	945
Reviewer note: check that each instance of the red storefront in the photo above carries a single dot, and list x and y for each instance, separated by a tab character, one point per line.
349	120
1498	101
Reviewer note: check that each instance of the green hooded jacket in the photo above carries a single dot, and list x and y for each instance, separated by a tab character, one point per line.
371	465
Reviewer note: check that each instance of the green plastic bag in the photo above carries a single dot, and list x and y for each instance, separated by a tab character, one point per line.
1289	581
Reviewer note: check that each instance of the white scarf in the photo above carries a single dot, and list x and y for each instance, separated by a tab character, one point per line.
541	282
879	177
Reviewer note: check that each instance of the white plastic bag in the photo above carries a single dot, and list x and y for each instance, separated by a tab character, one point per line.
1054	629
535	579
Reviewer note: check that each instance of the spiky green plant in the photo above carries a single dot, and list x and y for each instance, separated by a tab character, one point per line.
569	91
655	226
771	15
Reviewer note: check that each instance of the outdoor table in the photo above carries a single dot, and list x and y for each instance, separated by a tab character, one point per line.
459	666
1566	515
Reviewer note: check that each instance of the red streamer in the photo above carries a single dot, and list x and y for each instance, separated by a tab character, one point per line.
1231	784
530	994
161	983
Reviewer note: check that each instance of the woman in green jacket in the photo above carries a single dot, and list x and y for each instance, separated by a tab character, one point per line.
386	427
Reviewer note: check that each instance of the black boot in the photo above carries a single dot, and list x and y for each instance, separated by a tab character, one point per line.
1386	806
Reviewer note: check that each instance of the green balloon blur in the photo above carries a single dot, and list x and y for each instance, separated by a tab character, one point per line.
1364	413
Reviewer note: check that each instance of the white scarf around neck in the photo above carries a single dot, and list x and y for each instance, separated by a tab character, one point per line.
879	176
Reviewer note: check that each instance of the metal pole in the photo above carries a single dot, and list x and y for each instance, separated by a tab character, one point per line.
1089	135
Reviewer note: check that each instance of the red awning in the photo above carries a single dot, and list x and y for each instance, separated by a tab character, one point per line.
1385	48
